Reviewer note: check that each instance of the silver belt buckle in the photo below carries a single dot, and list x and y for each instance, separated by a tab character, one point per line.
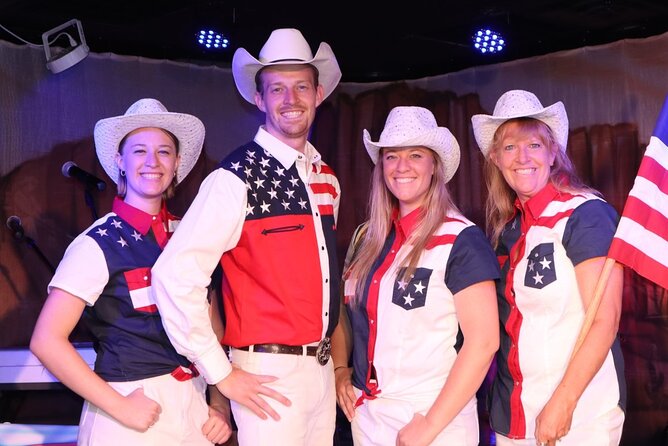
323	352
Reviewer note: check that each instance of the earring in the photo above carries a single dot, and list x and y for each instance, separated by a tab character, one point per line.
122	172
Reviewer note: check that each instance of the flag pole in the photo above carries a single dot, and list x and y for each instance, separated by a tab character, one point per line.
592	309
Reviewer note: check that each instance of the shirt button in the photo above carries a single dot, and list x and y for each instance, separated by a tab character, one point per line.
154	217
326	280
322	247
146	278
317	215
326	313
392	251
375	281
371	321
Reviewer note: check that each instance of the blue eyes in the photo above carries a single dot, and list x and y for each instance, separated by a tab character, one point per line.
416	156
530	146
300	88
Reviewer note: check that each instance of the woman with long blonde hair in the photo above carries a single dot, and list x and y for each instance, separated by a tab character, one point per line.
551	234
420	316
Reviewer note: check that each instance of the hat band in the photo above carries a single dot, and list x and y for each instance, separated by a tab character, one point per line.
287	60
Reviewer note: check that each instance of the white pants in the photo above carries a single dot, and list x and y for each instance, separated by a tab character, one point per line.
377	422
184	412
605	430
309	421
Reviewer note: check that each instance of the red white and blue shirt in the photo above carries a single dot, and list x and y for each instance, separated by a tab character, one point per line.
541	310
406	332
268	215
109	267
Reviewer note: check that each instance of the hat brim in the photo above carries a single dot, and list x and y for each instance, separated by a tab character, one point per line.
188	129
440	140
554	116
245	68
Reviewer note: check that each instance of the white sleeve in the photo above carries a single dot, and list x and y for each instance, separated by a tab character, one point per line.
83	270
337	201
211	226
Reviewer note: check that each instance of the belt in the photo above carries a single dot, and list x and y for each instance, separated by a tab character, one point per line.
321	352
281	348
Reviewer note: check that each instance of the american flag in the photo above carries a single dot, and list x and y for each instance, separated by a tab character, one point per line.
641	240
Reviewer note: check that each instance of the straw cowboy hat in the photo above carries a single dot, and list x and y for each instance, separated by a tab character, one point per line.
285	46
520	104
148	112
416	126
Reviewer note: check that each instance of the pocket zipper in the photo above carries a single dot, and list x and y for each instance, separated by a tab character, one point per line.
282	229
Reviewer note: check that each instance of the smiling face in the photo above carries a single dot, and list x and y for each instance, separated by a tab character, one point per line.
149	158
524	154
408	173
289	96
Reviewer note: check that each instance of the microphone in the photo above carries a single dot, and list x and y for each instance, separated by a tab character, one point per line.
71	170
14	225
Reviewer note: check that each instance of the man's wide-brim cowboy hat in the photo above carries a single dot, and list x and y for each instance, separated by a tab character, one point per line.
285	46
188	129
520	104
416	126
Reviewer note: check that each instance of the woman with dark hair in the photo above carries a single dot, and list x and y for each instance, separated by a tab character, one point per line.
141	391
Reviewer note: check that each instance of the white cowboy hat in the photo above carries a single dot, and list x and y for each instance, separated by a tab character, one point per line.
285	46
416	126
520	104
148	112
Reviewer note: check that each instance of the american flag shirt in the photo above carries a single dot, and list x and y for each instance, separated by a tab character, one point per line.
108	266
268	215
406	333
541	309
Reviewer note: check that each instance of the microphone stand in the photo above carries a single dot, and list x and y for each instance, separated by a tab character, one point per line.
39	252
88	197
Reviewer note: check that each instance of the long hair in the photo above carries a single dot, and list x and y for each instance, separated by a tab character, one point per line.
122	185
500	205
379	224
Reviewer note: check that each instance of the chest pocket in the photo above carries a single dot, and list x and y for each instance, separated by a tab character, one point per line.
139	283
280	229
541	270
411	294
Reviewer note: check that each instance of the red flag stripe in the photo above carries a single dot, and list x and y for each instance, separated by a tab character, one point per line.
657	150
636	235
324	188
652	171
324	168
649	193
647	241
326	209
644	265
641	239
647	216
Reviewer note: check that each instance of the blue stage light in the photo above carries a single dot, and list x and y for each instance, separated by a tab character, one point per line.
488	41
213	40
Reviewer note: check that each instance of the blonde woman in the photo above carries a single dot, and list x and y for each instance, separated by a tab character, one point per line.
551	234
421	317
